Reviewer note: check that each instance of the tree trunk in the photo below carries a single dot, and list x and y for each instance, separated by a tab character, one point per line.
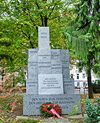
45	21
90	89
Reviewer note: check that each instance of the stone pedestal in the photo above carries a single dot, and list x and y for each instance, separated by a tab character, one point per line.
48	78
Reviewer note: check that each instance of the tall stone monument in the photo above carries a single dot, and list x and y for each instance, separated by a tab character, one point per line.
48	77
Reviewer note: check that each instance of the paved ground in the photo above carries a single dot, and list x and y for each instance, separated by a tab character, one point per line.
48	120
66	119
55	121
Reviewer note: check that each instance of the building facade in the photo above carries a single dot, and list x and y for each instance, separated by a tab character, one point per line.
80	78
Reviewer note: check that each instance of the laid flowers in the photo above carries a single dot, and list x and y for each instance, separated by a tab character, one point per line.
51	110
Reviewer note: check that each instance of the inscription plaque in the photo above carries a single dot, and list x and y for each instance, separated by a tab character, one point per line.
50	84
32	102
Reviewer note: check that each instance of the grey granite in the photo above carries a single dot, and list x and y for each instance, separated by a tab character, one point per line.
43	38
44	68
31	88
65	55
65	64
32	103
68	88
32	70
48	77
50	84
55	55
44	56
31	52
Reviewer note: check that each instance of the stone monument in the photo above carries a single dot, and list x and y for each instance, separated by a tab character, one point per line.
48	77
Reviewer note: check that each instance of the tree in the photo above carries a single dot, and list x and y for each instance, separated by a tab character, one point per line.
19	22
85	38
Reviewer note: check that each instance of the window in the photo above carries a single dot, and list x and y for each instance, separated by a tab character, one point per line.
78	84
83	75
77	76
84	84
71	75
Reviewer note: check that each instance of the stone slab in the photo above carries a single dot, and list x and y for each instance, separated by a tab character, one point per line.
70	80
33	77
68	88
32	70
31	81
65	55
50	84
31	88
56	63
44	52
32	103
55	55
33	55
56	70
56	67
66	71
32	52
66	77
65	64
33	66
43	38
55	52
44	56
44	68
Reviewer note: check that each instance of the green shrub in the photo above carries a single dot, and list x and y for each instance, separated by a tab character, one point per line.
75	109
93	111
98	110
87	120
1	121
5	103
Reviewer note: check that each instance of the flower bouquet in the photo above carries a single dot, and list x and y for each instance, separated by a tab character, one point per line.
50	109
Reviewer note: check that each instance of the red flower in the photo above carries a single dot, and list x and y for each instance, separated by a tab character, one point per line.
46	107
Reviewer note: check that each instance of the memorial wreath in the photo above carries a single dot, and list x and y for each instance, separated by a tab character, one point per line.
50	109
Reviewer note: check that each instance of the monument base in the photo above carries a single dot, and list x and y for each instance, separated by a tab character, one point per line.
32	103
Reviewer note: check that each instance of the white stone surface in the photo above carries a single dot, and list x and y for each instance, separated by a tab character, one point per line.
32	70
44	56
31	88
69	88
65	55
32	102
50	84
43	38
33	55
55	55
44	70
